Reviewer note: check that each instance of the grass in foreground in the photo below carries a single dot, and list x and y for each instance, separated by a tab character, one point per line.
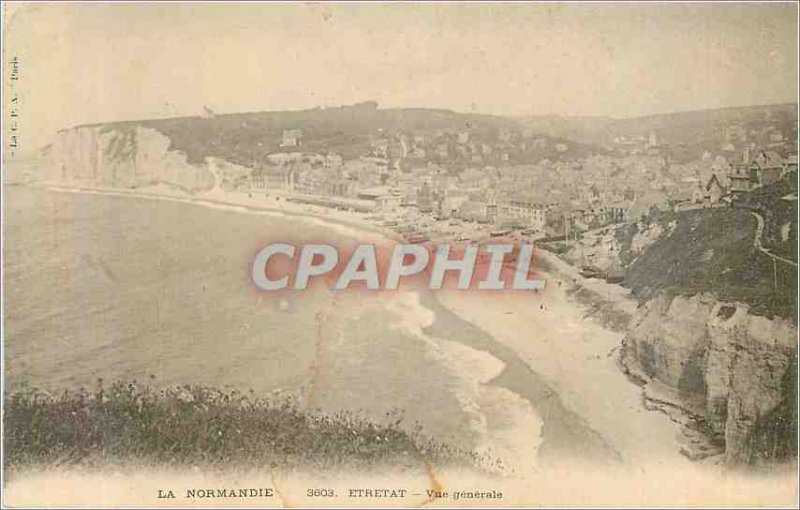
196	425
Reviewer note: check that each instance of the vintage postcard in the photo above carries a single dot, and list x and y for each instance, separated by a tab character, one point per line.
452	255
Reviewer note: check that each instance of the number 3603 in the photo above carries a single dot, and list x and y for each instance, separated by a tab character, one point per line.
320	493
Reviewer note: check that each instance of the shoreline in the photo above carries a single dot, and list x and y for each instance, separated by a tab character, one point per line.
471	369
564	432
505	342
248	203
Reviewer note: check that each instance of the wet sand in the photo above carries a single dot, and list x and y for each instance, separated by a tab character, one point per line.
567	365
551	372
540	388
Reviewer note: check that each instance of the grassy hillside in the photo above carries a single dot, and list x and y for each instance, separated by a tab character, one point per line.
707	125
690	133
712	251
593	130
777	211
245	138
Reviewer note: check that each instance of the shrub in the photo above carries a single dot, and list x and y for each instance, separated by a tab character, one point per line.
202	425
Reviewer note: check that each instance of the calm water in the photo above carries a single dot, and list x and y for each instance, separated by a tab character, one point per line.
124	287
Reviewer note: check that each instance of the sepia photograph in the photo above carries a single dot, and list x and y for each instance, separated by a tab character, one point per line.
399	254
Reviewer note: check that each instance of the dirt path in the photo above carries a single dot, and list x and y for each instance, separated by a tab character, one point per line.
757	241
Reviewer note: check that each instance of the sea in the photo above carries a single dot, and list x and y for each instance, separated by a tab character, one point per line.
115	287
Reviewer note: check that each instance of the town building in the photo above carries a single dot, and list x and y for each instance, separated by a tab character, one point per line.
450	204
521	212
740	181
274	178
291	138
382	197
790	164
715	190
766	168
333	160
481	211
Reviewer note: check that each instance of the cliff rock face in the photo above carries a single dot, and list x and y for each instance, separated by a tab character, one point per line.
121	157
726	368
615	246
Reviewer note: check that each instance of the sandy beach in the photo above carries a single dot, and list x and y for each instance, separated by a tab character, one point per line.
536	378
575	358
542	380
400	255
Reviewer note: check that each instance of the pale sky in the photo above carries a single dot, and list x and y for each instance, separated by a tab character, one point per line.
84	63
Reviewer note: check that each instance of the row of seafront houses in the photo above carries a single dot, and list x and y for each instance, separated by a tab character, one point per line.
372	184
766	168
369	184
753	172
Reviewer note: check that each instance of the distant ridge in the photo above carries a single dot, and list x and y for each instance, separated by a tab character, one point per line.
246	137
677	127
